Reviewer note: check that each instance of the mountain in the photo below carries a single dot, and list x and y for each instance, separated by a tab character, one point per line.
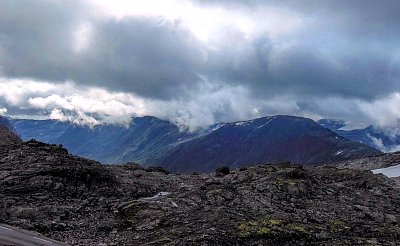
7	136
384	139
81	202
138	142
151	141
264	140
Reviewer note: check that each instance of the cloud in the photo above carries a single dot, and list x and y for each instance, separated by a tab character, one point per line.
381	146
210	103
3	111
148	56
197	62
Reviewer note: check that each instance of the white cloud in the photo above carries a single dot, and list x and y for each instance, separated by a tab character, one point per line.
210	102
378	143
206	104
3	111
57	114
82	37
383	112
204	21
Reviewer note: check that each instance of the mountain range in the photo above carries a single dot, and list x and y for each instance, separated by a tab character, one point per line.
384	139
152	141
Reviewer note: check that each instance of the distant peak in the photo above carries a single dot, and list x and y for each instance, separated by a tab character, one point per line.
147	119
269	119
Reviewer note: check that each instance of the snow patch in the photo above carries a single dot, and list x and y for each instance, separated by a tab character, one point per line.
339	152
391	172
266	123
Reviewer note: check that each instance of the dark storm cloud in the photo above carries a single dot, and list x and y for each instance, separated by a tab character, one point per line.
347	48
145	56
308	67
150	57
35	37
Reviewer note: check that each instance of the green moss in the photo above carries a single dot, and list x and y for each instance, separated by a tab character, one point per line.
297	228
244	229
261	227
269	227
264	231
274	222
336	225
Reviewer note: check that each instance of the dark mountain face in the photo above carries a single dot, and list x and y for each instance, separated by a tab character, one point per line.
5	123
151	141
137	142
386	140
332	124
7	136
265	140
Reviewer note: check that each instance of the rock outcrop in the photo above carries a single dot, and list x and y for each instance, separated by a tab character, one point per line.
373	162
7	136
81	202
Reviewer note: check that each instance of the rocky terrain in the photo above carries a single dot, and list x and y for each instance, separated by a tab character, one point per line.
7	136
372	162
81	202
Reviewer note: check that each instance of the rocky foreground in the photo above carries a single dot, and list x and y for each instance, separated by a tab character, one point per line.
81	202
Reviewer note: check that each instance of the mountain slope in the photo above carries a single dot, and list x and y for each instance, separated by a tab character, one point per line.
7	136
264	140
137	142
151	141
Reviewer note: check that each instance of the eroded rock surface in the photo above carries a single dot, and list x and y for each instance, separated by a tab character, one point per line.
373	162
81	202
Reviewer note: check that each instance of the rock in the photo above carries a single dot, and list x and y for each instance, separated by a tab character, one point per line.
157	169
82	202
222	171
390	218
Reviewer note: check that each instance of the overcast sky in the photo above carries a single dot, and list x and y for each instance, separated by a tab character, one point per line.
198	61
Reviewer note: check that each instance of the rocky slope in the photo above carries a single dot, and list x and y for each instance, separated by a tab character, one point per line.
264	140
81	202
7	135
373	162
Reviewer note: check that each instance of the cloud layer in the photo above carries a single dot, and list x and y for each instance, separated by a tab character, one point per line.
198	62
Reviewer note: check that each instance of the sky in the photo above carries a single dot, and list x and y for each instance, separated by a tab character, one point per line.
197	62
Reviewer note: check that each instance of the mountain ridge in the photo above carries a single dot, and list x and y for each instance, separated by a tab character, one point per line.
151	141
384	139
264	140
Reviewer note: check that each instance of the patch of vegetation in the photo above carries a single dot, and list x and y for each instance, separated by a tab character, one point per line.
264	231
262	227
297	227
281	181
270	227
336	225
